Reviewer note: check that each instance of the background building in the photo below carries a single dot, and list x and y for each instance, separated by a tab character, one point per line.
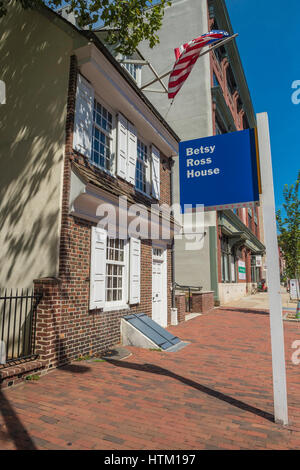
214	100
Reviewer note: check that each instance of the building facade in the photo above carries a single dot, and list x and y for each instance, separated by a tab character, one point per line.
214	100
85	157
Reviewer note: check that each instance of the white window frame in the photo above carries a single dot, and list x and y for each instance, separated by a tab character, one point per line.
136	67
111	136
147	165
123	303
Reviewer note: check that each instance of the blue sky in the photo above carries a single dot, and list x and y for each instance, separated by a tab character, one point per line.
268	43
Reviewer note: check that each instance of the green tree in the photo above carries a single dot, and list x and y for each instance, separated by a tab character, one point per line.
130	21
289	231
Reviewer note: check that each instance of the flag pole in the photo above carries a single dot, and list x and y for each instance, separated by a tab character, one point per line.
214	46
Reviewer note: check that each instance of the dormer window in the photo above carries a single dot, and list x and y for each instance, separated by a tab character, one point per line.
133	69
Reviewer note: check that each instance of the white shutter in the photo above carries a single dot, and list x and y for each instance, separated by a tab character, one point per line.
132	153
83	122
122	149
98	268
155	167
135	271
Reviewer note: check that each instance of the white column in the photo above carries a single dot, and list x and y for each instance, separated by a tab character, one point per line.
273	271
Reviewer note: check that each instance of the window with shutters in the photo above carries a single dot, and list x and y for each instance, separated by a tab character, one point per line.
141	166
116	278
102	137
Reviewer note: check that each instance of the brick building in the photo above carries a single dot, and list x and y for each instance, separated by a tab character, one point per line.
78	139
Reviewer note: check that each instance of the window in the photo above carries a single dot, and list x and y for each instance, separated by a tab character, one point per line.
245	122
158	253
250	218
255	270
102	137
220	129
255	224
115	271
141	166
215	80
131	68
233	269
225	258
231	84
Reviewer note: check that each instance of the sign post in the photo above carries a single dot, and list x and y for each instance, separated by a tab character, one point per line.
273	272
223	172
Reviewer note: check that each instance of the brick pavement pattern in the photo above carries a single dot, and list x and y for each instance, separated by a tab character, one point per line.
216	393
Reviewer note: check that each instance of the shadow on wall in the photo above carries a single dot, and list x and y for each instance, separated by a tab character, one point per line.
34	64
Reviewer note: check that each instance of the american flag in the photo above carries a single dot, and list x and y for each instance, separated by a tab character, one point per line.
186	56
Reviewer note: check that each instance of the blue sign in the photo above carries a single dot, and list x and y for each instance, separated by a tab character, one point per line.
219	171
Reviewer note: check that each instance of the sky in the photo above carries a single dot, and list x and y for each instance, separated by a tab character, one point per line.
268	43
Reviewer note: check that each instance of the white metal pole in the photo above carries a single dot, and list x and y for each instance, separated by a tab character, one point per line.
273	271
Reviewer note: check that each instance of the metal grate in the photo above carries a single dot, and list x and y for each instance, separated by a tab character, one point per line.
156	333
17	325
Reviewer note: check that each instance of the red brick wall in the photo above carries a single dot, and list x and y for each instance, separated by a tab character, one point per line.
66	329
202	302
181	307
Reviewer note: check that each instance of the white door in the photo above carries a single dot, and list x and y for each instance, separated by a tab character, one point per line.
159	304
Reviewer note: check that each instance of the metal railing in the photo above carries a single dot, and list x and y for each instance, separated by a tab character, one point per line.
17	325
188	294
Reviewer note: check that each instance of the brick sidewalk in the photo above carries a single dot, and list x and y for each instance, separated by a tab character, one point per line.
214	394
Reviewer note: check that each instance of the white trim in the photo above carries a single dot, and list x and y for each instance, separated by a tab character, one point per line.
110	135
97	268
118	304
83	117
135	271
147	167
155	172
164	292
155	129
118	307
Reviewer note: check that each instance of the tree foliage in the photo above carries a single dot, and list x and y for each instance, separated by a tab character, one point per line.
130	21
289	228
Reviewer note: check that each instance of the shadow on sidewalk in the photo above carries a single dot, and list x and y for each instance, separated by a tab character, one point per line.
245	310
153	369
15	429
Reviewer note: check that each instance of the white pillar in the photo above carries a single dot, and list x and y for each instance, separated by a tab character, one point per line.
273	271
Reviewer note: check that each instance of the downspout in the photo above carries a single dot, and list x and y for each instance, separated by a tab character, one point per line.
173	239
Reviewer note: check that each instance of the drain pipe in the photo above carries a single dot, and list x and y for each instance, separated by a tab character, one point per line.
173	240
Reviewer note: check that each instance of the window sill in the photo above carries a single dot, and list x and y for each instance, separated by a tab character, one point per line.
102	169
143	193
112	308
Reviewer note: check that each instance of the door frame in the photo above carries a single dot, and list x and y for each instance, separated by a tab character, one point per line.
162	246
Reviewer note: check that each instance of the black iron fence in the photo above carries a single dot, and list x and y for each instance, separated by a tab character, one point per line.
17	325
188	290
